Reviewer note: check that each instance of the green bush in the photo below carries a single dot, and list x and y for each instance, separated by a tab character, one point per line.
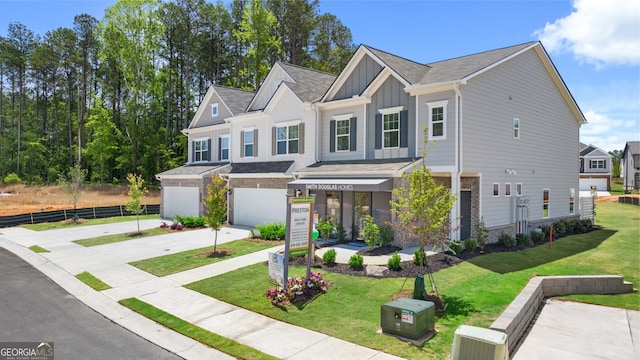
191	221
419	257
394	262
341	232
506	240
370	231
470	245
482	233
329	257
356	261
524	240
325	228
537	236
386	234
455	247
272	231
559	229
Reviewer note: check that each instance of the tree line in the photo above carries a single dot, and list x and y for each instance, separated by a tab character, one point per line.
112	95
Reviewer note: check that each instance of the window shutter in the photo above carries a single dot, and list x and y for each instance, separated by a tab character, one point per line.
209	150
274	141
378	131
301	138
352	133
193	151
241	144
255	142
404	128
219	149
332	136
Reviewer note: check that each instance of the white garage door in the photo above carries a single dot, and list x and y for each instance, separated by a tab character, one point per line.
586	184
183	201
253	207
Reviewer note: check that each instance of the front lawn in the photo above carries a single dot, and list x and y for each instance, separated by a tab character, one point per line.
476	291
88	222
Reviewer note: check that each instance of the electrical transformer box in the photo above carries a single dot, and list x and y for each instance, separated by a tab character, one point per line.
406	317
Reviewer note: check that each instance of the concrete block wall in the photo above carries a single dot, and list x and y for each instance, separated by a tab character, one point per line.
515	319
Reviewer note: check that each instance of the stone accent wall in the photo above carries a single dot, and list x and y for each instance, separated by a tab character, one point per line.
473	184
515	319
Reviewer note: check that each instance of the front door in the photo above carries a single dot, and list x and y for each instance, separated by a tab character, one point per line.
465	214
361	208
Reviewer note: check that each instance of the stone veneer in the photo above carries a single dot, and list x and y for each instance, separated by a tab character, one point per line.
517	317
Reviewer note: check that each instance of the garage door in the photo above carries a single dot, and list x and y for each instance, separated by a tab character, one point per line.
253	207
586	184
183	201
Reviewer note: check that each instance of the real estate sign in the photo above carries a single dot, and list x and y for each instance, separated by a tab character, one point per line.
299	231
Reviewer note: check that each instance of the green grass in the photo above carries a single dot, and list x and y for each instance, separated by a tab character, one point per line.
226	345
92	281
108	239
66	224
476	291
174	263
38	249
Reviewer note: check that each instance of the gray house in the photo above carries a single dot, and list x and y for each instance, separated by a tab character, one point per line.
595	168
630	166
347	140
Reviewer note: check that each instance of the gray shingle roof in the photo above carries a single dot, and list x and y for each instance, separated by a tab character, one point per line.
411	71
310	85
634	147
356	166
260	167
237	100
200	169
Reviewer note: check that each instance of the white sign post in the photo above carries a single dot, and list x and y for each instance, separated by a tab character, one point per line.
299	231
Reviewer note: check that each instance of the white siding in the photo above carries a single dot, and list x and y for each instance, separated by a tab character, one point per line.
213	133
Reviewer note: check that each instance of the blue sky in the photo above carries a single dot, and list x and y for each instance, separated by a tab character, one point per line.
594	44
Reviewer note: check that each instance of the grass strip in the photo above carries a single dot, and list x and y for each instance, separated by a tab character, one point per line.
92	281
114	238
190	259
38	249
87	222
197	333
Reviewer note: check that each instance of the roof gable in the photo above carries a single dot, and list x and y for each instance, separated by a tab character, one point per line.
230	102
632	147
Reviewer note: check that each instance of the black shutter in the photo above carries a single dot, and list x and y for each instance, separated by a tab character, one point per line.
193	151
352	133
378	131
404	128
209	150
219	149
332	136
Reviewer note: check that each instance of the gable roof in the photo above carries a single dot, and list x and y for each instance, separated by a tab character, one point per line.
633	146
308	84
235	100
409	70
591	150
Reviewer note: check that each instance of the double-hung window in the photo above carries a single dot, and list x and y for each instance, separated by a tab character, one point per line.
437	120
572	201
545	203
287	139
343	135
224	148
516	128
597	164
201	150
390	130
248	143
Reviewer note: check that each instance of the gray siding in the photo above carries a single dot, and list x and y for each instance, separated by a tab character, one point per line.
359	79
324	136
214	134
439	152
206	119
519	88
587	170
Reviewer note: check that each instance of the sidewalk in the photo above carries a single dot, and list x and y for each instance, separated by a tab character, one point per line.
109	263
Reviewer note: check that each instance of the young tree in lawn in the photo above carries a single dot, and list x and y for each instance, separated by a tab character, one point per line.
215	205
136	193
72	184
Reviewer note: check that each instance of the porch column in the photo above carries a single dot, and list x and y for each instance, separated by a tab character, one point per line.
454	215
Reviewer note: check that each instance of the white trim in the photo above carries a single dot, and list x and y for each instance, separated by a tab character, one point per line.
507	186
430	106
217	107
286	126
204	140
352	101
495	186
516	125
342	117
228	137
547	204
391	110
348	135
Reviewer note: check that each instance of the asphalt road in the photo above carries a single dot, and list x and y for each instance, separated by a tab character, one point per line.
35	309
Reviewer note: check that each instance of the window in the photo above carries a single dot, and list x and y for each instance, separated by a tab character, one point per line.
390	130
214	109
437	120
519	189
223	151
572	201
516	128
343	135
496	189
248	143
507	189
545	203
201	150
287	139
597	164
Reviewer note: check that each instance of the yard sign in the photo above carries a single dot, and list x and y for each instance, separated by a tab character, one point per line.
299	230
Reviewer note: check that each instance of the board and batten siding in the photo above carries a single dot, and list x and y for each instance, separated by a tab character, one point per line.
359	79
324	136
439	152
544	157
213	134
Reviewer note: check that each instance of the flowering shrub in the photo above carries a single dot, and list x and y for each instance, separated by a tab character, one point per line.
299	290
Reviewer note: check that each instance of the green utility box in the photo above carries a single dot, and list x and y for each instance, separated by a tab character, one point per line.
410	318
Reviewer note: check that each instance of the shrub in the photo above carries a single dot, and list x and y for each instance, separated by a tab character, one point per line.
272	231
329	257
394	262
524	240
482	233
537	236
455	247
325	228
470	244
370	231
386	234
559	228
506	240
176	226
341	232
419	257
191	221
356	261
299	290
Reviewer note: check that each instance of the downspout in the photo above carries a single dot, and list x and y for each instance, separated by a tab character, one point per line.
316	145
364	112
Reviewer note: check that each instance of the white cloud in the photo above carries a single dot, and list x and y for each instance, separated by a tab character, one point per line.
598	32
608	134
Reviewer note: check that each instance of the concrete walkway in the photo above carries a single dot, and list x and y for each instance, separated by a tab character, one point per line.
109	263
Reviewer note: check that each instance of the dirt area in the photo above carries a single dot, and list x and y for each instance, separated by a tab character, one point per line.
26	199
612	198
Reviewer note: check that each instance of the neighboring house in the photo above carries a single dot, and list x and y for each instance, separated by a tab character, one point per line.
630	166
486	139
595	168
